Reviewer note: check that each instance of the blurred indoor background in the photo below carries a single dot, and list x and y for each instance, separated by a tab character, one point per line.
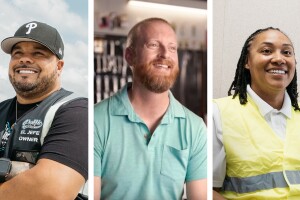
113	20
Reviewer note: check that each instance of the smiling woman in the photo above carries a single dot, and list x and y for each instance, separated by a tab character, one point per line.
271	63
266	49
256	124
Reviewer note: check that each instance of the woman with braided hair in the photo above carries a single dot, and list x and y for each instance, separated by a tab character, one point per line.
257	129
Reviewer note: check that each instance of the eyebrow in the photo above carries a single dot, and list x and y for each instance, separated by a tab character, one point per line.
157	40
271	44
15	47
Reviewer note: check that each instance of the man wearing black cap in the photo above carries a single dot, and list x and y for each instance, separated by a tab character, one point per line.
44	127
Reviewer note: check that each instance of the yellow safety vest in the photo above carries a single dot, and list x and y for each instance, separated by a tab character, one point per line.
259	165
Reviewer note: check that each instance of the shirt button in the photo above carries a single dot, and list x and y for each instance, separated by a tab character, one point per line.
146	136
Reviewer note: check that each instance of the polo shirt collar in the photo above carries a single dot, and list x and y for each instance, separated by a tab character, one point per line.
265	108
121	105
175	110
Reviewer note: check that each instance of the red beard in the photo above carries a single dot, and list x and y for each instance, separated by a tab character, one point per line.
153	81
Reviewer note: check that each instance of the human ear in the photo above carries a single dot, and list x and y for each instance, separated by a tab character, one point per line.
129	56
246	65
60	66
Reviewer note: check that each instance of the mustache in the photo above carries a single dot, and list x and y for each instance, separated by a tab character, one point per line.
21	66
24	66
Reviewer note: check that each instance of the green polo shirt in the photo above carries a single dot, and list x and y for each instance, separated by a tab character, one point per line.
133	164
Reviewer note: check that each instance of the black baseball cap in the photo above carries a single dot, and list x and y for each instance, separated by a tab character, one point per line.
36	32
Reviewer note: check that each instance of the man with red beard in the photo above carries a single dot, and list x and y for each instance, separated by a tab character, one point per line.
43	130
147	145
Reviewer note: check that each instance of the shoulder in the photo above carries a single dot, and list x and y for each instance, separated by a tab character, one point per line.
225	99
101	111
101	116
78	106
77	102
7	102
107	106
193	118
187	113
227	102
193	122
102	105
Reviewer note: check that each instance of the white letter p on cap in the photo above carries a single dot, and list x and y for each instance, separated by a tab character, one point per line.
30	26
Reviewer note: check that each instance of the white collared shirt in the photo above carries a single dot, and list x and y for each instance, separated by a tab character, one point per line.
275	118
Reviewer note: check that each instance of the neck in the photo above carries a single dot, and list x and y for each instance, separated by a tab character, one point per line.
275	101
273	98
24	99
149	106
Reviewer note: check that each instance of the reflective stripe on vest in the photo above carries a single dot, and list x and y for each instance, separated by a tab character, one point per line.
261	182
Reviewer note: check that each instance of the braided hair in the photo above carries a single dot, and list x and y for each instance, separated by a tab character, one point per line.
243	77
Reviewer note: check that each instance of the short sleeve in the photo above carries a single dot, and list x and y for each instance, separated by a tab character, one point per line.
97	151
101	130
67	139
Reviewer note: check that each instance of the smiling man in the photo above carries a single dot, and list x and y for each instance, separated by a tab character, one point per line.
147	145
43	130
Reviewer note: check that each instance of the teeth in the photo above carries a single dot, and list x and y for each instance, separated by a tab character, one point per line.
277	71
163	66
26	72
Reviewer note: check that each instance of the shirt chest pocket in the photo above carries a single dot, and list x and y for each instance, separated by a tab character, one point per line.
174	163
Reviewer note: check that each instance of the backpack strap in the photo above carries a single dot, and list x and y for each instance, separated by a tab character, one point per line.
47	124
51	113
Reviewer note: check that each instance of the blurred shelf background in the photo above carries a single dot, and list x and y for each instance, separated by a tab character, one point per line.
113	20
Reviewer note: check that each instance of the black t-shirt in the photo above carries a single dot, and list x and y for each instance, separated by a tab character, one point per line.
22	109
67	139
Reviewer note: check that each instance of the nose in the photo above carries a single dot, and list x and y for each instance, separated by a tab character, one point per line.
163	52
25	59
278	58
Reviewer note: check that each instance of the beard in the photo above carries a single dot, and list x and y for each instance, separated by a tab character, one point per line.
36	88
153	81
